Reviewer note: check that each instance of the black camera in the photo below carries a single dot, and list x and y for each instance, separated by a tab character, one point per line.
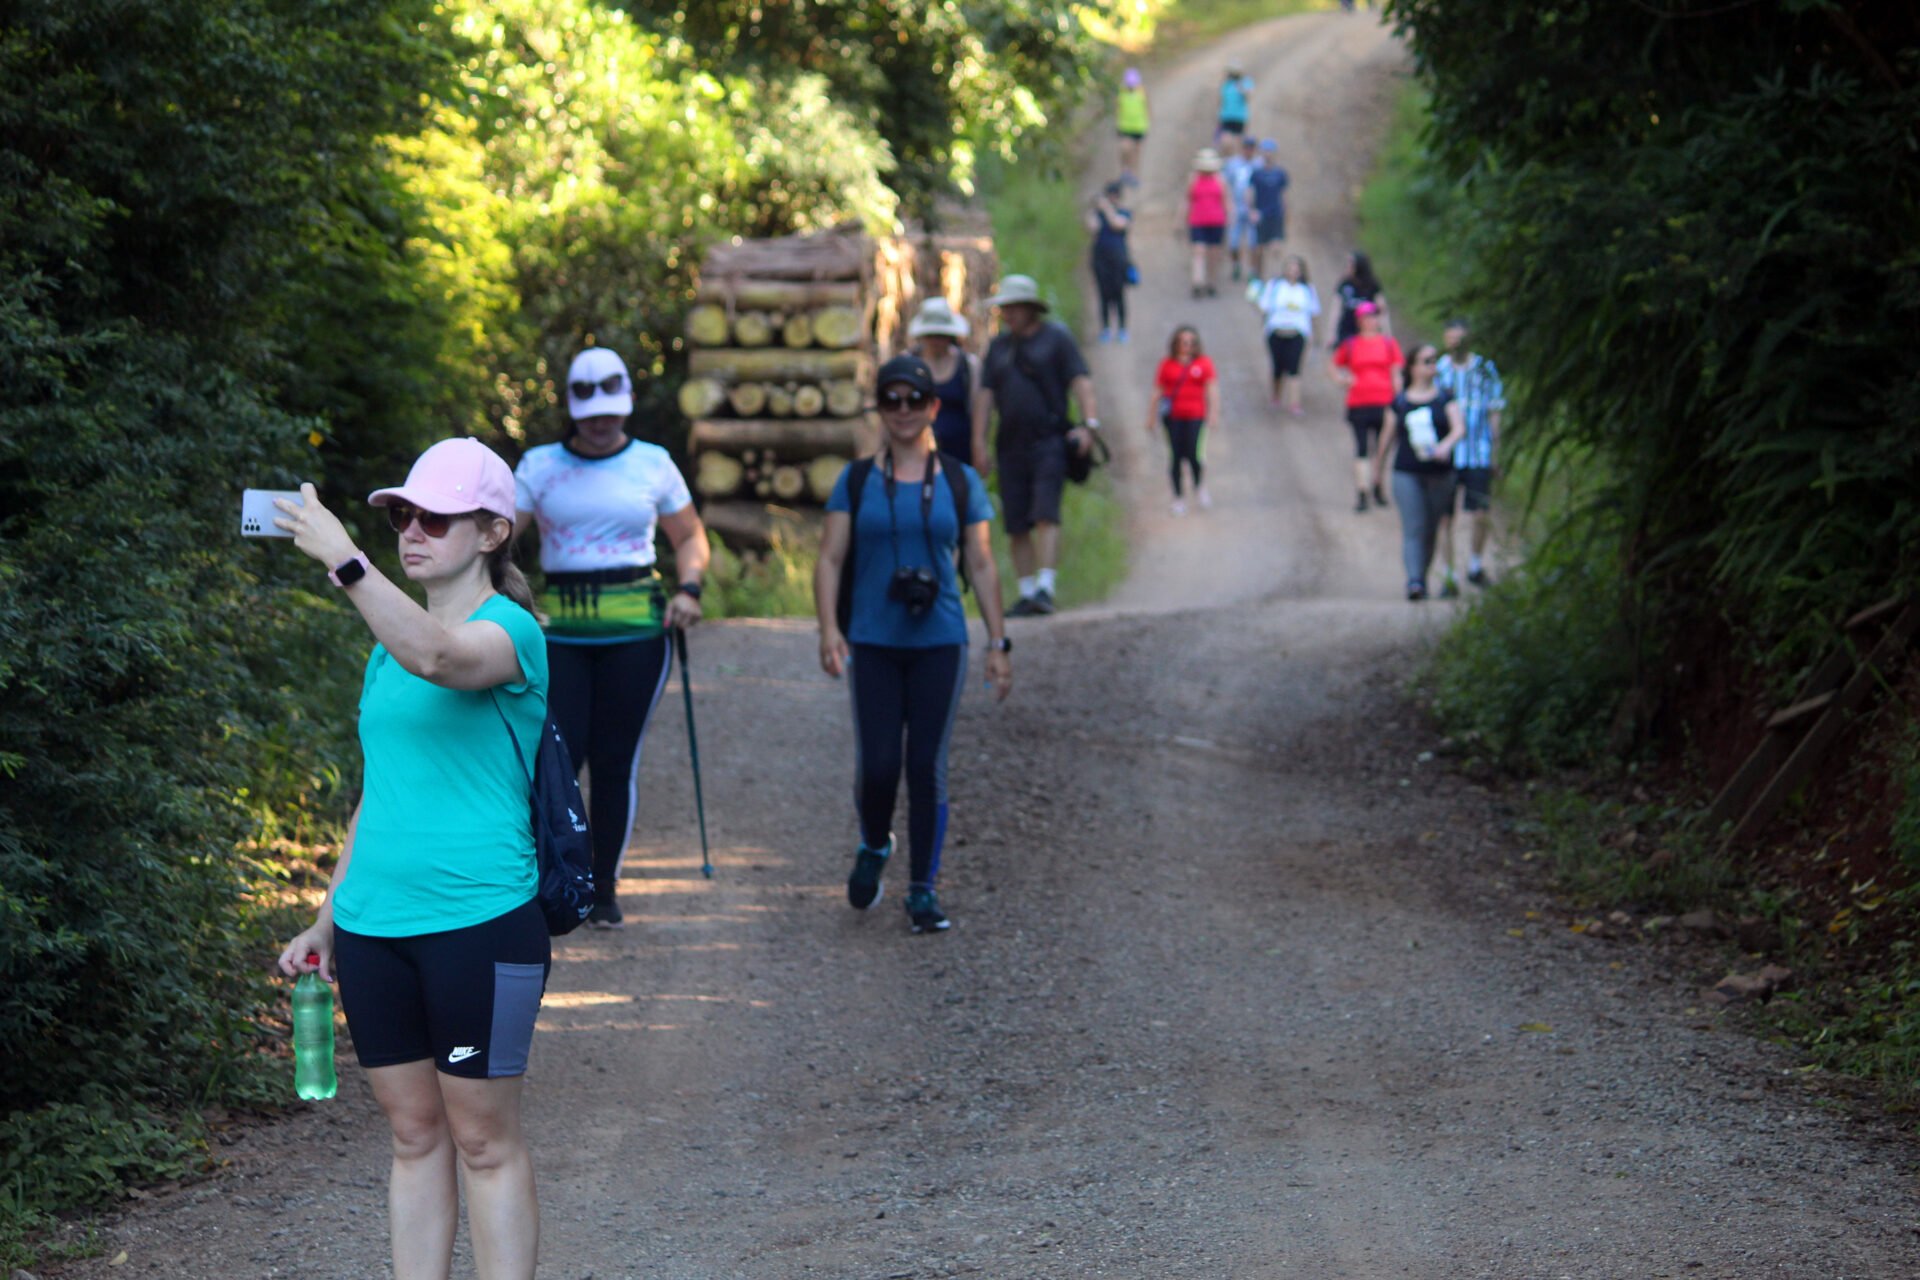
915	587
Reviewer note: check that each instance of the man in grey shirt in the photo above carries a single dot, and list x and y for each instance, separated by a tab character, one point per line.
1030	370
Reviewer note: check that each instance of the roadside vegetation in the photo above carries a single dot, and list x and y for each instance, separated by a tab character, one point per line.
1700	299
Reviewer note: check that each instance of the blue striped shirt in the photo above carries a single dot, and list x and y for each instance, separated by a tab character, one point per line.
1477	387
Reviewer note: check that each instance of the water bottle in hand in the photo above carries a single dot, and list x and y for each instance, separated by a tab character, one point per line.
313	1075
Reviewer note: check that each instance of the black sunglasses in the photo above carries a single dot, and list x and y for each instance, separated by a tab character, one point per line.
432	523
904	400
609	384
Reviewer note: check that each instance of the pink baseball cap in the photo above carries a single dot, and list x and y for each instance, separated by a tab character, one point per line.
1366	308
452	478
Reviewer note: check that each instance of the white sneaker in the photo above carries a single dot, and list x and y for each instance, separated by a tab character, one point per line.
1178	508
1205	499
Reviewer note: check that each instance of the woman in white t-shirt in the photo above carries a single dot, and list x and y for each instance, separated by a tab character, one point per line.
1291	309
597	497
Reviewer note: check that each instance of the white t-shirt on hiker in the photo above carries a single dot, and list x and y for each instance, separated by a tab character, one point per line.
598	513
1290	306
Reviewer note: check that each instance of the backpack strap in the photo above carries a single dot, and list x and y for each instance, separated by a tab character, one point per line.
518	754
960	489
857	472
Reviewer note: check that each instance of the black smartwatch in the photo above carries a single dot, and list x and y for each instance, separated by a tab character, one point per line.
690	588
348	572
1003	645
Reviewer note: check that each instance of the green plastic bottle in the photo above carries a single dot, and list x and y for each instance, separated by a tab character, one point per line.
313	1074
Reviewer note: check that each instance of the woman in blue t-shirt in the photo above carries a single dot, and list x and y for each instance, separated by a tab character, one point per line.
894	523
430	923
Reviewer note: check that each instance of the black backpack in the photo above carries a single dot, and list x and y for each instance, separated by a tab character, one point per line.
562	847
958	487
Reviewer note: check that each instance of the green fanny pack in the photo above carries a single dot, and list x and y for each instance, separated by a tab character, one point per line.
605	604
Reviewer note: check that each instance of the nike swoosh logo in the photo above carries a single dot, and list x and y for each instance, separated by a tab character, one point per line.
462	1054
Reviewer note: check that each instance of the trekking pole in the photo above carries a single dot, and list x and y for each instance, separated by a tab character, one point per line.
693	748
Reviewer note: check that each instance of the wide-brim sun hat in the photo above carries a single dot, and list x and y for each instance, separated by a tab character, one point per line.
1366	307
1015	290
452	478
598	369
936	318
1207	161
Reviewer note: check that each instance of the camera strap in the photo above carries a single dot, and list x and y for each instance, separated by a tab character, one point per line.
926	509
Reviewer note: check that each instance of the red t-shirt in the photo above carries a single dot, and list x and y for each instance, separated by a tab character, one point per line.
1186	386
1373	357
1207	201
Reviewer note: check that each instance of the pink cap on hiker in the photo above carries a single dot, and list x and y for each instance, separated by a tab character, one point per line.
452	478
1366	308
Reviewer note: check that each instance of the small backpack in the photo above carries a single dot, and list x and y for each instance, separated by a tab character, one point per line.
958	487
562	846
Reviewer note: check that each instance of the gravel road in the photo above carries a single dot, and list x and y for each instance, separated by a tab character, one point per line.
1241	983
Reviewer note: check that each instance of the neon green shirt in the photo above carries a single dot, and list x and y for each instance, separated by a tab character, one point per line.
445	837
1133	111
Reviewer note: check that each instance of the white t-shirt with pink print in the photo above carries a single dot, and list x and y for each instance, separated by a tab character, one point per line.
598	513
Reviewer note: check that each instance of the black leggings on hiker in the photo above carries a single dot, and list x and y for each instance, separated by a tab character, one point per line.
1184	435
915	693
1110	275
601	696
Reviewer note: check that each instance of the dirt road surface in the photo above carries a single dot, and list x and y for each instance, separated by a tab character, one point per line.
1240	983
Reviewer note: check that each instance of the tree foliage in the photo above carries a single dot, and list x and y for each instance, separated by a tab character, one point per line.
1696	228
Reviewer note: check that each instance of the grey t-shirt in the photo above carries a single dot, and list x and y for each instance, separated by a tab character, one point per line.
1029	379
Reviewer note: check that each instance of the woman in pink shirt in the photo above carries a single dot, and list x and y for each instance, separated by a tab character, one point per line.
1206	220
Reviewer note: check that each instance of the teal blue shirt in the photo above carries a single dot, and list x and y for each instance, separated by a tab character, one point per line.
445	837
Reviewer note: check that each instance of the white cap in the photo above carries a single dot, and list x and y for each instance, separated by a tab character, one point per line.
595	366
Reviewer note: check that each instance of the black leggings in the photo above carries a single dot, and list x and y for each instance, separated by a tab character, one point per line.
917	690
1184	434
1110	274
601	696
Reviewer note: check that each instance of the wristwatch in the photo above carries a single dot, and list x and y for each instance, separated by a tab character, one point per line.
1003	645
348	572
689	588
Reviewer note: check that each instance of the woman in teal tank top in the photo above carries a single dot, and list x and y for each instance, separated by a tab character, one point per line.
430	925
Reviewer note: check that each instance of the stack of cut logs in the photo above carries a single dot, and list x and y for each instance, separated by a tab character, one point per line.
778	376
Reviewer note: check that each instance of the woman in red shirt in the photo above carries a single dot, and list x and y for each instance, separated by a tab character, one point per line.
1206	220
1188	402
1369	365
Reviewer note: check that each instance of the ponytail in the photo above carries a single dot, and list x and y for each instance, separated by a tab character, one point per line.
505	574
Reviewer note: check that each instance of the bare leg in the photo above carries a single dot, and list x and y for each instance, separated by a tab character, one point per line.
1020	548
1292	393
1362	474
1046	542
503	1213
1199	260
423	1197
1446	545
1482	527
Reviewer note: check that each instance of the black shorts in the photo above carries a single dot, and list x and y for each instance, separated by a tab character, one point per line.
1366	421
1285	350
466	998
1033	473
1137	137
1475	485
1235	127
1207	235
1270	230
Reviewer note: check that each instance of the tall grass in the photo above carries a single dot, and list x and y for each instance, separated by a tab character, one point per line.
1402	222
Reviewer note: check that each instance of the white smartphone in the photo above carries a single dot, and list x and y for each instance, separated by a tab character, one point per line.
257	512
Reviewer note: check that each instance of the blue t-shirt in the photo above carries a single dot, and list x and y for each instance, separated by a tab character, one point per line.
1233	98
446	836
877	619
1268	183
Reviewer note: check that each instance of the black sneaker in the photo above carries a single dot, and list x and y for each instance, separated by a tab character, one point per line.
1379	496
1043	603
606	915
1416	591
1478	577
863	886
924	913
1024	607
1360	502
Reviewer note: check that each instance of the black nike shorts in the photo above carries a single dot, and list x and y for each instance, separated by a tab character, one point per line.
466	998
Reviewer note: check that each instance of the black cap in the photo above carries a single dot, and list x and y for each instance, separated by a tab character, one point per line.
911	371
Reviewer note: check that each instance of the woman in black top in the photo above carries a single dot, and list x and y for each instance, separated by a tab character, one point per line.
1357	286
935	333
1109	222
1423	424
